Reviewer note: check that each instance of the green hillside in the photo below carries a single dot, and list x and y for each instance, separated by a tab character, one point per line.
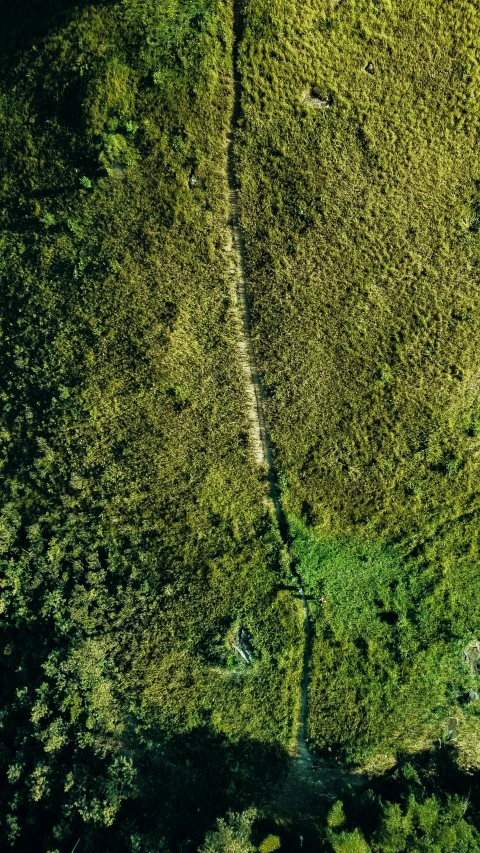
134	532
215	217
360	175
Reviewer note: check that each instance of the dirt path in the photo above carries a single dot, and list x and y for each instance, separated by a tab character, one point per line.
259	434
309	778
260	439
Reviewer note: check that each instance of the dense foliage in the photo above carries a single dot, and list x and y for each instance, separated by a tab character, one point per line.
425	827
360	177
416	814
134	531
388	668
413	818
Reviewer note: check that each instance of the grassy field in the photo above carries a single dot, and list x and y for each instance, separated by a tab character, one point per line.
136	543
358	156
134	533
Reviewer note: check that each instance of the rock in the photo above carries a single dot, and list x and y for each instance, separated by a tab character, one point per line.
471	657
241	644
118	171
369	68
245	642
314	97
192	181
452	726
473	696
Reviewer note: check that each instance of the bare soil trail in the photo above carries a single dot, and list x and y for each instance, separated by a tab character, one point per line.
259	435
309	778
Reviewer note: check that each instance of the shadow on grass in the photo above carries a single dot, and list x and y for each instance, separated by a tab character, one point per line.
430	773
26	22
184	783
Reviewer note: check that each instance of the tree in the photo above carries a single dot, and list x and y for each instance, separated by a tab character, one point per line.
233	834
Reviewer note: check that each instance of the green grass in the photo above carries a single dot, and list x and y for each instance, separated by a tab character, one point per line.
363	255
134	533
386	665
363	251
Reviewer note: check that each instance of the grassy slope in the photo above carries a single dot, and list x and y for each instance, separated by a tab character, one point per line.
363	246
134	532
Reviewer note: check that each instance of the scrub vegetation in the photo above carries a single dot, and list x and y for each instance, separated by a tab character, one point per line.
388	670
151	640
414	814
135	536
358	157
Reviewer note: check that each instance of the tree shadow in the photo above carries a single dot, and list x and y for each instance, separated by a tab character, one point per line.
433	772
186	782
195	778
26	22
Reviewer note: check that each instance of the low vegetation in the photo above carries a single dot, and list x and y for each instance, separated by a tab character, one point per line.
360	178
151	643
135	538
388	669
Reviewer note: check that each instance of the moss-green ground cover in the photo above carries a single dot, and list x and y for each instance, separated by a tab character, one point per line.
363	247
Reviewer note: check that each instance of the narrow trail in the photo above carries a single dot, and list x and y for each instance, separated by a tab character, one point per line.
309	778
260	438
259	433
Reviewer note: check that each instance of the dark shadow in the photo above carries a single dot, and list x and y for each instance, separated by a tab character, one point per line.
431	773
389	616
27	22
200	776
308	514
437	774
291	839
185	783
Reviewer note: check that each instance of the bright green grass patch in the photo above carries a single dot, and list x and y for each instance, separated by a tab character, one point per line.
363	249
386	665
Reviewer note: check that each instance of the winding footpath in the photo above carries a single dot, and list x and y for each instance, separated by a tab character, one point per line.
309	779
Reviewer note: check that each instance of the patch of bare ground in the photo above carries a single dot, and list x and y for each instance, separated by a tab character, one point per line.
315	97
